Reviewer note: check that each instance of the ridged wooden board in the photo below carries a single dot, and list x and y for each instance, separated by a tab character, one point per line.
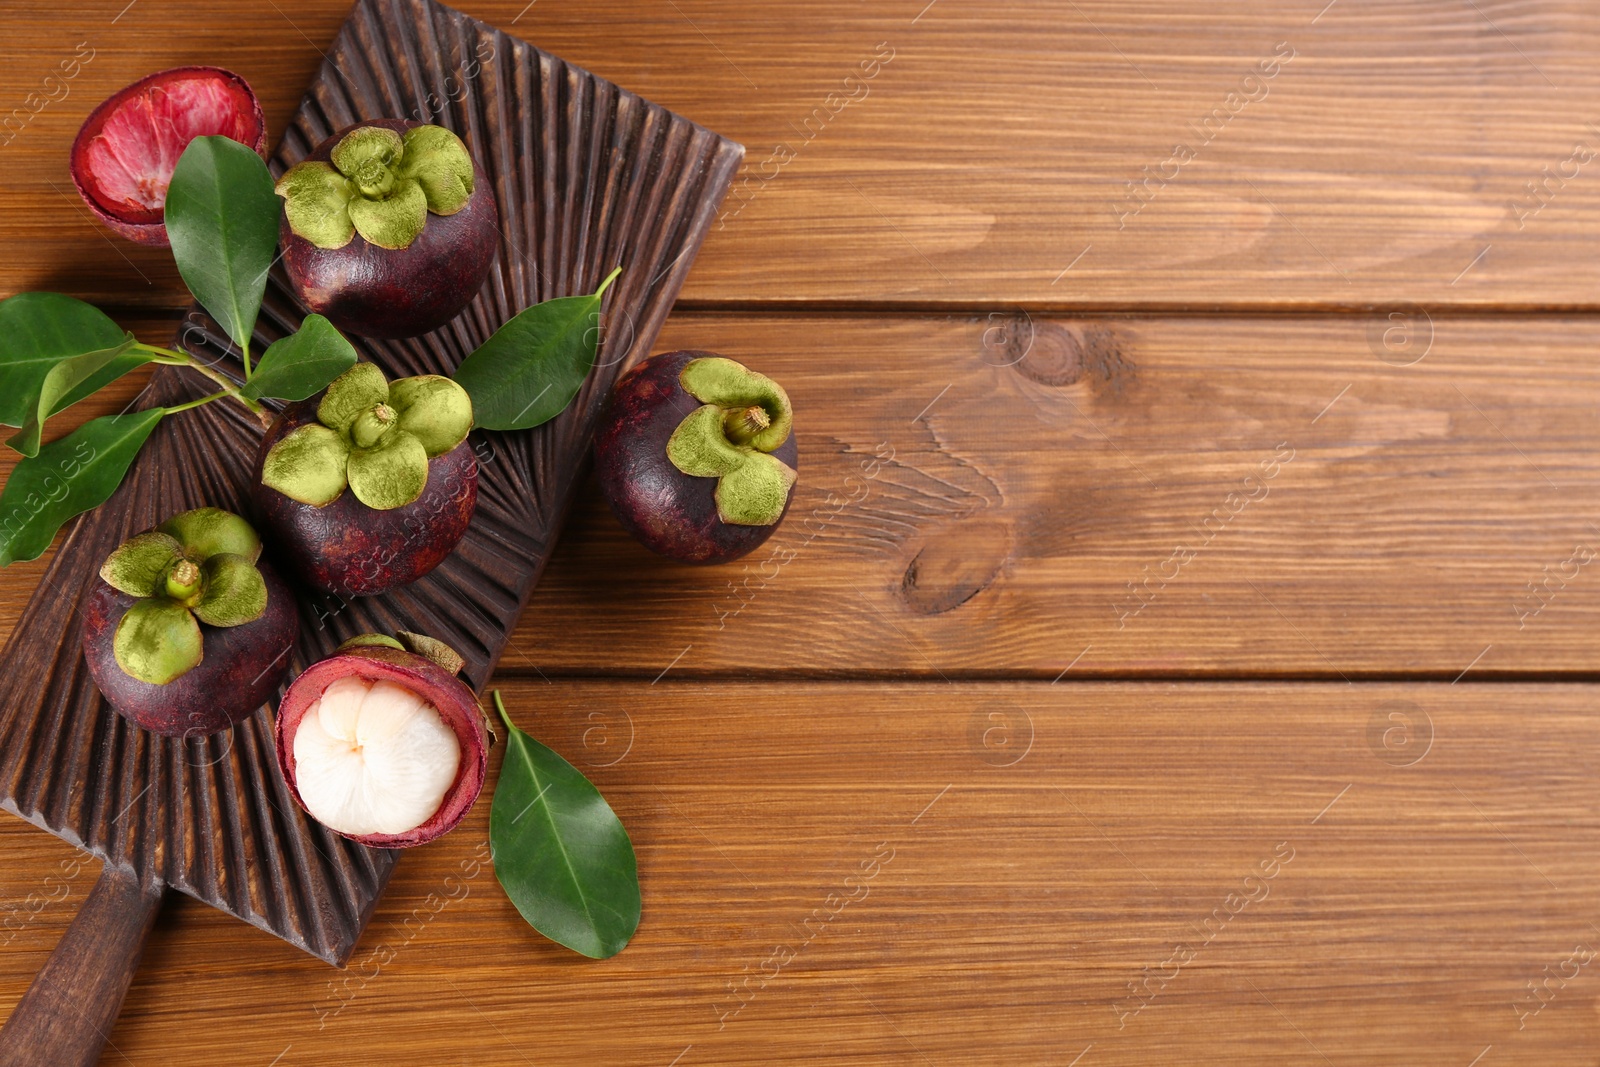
587	177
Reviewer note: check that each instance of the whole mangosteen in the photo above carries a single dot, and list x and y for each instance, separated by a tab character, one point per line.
188	631
382	743
124	155
389	228
696	456
400	450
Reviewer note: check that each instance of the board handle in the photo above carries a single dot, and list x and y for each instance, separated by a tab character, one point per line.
67	1015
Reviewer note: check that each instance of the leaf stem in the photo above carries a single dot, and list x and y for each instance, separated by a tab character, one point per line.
244	353
501	708
167	357
609	279
194	403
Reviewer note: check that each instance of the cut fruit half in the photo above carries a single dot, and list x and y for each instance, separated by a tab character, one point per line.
382	746
373	758
125	152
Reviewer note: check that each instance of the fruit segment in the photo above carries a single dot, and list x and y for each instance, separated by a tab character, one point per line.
374	758
382	743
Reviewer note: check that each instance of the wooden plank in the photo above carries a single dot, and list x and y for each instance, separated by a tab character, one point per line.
1173	495
959	517
955	153
1001	863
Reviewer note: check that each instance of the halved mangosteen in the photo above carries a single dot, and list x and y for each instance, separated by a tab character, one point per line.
189	630
373	485
389	228
696	456
382	743
125	152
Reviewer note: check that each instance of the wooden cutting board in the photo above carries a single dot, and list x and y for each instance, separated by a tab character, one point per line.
587	177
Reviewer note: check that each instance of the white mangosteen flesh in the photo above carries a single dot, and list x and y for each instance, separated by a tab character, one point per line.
373	758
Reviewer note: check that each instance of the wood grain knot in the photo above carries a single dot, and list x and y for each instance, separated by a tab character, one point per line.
955	565
1057	354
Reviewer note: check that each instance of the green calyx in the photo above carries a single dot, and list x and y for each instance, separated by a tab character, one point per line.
371	436
745	416
380	184
429	648
197	567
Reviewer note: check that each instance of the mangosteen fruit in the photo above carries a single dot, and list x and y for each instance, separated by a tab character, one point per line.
696	456
188	630
382	743
127	149
371	486
389	228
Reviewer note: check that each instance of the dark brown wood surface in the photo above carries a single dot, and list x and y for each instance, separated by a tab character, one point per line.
1380	657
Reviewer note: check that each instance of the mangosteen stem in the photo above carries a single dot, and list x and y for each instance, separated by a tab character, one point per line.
742	424
374	180
370	426
183	580
195	403
168	358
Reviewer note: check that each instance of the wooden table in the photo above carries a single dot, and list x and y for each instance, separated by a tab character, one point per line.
1182	645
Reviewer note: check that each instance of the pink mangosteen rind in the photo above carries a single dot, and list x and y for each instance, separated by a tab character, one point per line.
145	226
349	549
389	293
240	671
669	512
451	697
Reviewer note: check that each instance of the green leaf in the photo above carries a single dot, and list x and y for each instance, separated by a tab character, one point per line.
67	378
67	478
529	371
157	641
222	219
39	330
560	852
302	364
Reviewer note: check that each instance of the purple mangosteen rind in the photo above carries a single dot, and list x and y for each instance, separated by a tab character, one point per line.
392	248
239	671
348	549
148	227
669	511
379	658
